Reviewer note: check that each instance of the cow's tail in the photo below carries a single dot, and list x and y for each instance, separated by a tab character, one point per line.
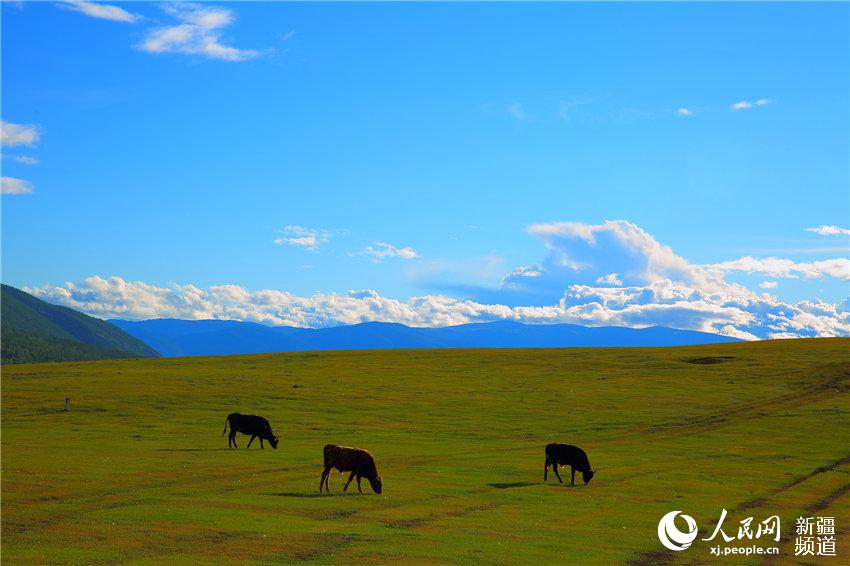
226	422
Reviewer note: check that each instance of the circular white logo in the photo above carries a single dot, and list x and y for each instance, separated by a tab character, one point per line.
673	538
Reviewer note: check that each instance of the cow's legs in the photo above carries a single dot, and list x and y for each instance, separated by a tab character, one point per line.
546	469
573	479
325	479
252	440
351	477
261	443
232	438
555	469
358	485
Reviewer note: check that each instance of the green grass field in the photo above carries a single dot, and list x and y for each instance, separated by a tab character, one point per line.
137	472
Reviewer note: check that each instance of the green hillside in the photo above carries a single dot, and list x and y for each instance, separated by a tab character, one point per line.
36	331
138	472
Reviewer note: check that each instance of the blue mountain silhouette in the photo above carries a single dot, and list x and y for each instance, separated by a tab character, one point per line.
171	337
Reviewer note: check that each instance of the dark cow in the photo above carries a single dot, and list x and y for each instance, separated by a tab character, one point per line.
359	462
567	455
256	427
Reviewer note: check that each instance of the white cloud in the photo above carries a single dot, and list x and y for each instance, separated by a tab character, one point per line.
517	112
583	253
573	284
782	335
610	279
656	285
732	332
838	268
661	303
768	284
829	230
527	271
17	134
198	33
309	238
382	250
13	186
684	112
102	11
745	104
25	159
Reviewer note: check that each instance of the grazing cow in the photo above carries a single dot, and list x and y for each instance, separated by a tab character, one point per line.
256	427
359	462
567	455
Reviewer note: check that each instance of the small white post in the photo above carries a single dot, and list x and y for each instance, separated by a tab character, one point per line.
67	403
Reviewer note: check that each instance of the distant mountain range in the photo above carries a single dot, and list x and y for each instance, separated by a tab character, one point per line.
172	337
35	331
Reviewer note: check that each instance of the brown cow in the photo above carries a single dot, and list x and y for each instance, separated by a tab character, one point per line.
359	462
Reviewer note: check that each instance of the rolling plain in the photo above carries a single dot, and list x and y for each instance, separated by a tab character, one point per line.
138	472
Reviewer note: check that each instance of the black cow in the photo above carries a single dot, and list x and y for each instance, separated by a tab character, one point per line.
249	424
567	455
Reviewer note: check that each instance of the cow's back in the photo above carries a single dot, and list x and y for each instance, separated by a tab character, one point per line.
249	423
346	458
567	455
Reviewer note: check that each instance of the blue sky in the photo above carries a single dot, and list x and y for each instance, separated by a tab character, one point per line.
411	149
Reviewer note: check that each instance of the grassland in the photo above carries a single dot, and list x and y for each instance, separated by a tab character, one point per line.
137	472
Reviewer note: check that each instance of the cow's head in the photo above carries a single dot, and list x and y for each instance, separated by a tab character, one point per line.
587	475
377	484
273	442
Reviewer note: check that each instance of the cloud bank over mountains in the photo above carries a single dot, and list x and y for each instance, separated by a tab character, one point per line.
614	273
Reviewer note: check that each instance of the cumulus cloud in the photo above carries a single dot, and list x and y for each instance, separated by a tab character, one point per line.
684	112
308	238
768	284
617	273
838	268
102	11
614	273
610	279
114	297
17	134
662	303
380	251
588	254
197	33
825	230
13	186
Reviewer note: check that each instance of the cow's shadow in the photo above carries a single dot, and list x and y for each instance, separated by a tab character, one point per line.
191	449
512	485
307	495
